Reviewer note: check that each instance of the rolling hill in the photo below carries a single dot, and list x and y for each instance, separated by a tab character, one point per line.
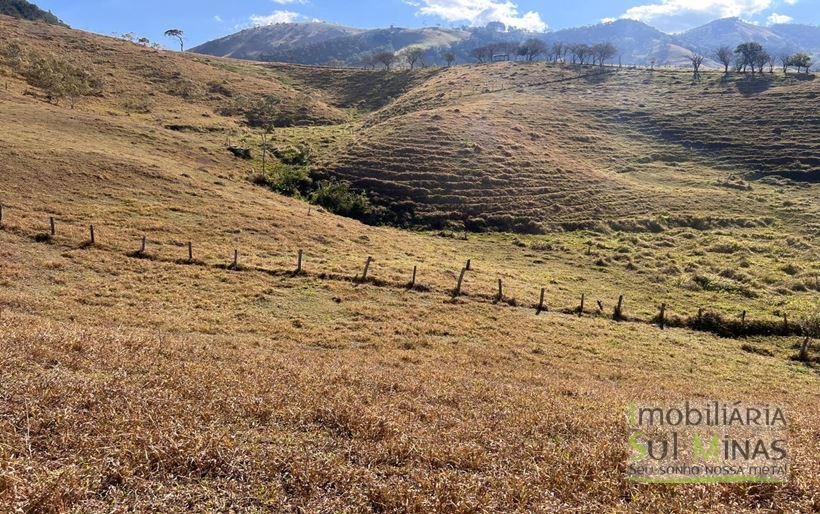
138	376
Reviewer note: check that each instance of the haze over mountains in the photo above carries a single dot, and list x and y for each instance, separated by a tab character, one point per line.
318	43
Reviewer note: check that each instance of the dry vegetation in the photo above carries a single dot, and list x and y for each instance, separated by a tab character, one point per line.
154	384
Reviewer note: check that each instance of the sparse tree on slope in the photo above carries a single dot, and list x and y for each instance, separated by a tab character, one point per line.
603	52
448	57
748	55
558	51
697	60
179	35
414	55
386	59
724	55
801	60
482	54
532	48
784	60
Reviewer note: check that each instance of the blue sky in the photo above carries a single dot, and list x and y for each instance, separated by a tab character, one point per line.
203	20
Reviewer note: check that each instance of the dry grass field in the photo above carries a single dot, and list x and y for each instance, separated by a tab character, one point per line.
144	382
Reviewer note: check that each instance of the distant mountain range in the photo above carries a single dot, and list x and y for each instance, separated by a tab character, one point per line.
638	43
27	11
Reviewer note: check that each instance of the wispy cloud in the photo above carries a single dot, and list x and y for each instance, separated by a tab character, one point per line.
480	12
275	17
775	18
675	15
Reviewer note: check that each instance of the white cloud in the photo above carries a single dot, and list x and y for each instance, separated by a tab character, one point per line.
218	18
775	18
481	12
608	20
275	17
676	15
791	2
285	2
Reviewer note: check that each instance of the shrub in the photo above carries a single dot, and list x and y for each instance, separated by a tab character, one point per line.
338	197
293	155
286	180
11	54
59	79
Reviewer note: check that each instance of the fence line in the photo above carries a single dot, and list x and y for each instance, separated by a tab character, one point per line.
706	321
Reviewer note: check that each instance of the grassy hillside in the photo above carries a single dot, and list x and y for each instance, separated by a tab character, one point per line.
155	383
557	147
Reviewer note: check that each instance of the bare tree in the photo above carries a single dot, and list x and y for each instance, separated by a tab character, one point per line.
532	48
448	57
724	55
558	51
482	54
414	55
386	59
784	60
178	34
697	60
603	52
761	59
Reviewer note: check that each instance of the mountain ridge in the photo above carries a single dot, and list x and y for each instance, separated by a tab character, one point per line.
637	42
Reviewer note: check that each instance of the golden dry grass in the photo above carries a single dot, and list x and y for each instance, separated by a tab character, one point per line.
153	385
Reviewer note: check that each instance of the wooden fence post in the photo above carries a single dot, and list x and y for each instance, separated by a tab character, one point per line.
142	246
500	291
662	317
468	266
581	308
91	231
457	290
540	302
618	314
235	259
190	251
1	213
299	262
366	268
743	323
785	325
804	350
53	226
413	280
700	316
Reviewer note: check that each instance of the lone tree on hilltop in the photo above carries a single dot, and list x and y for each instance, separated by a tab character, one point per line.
532	48
178	34
386	59
724	55
414	55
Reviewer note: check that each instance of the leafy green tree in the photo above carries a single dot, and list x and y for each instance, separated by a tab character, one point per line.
748	55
